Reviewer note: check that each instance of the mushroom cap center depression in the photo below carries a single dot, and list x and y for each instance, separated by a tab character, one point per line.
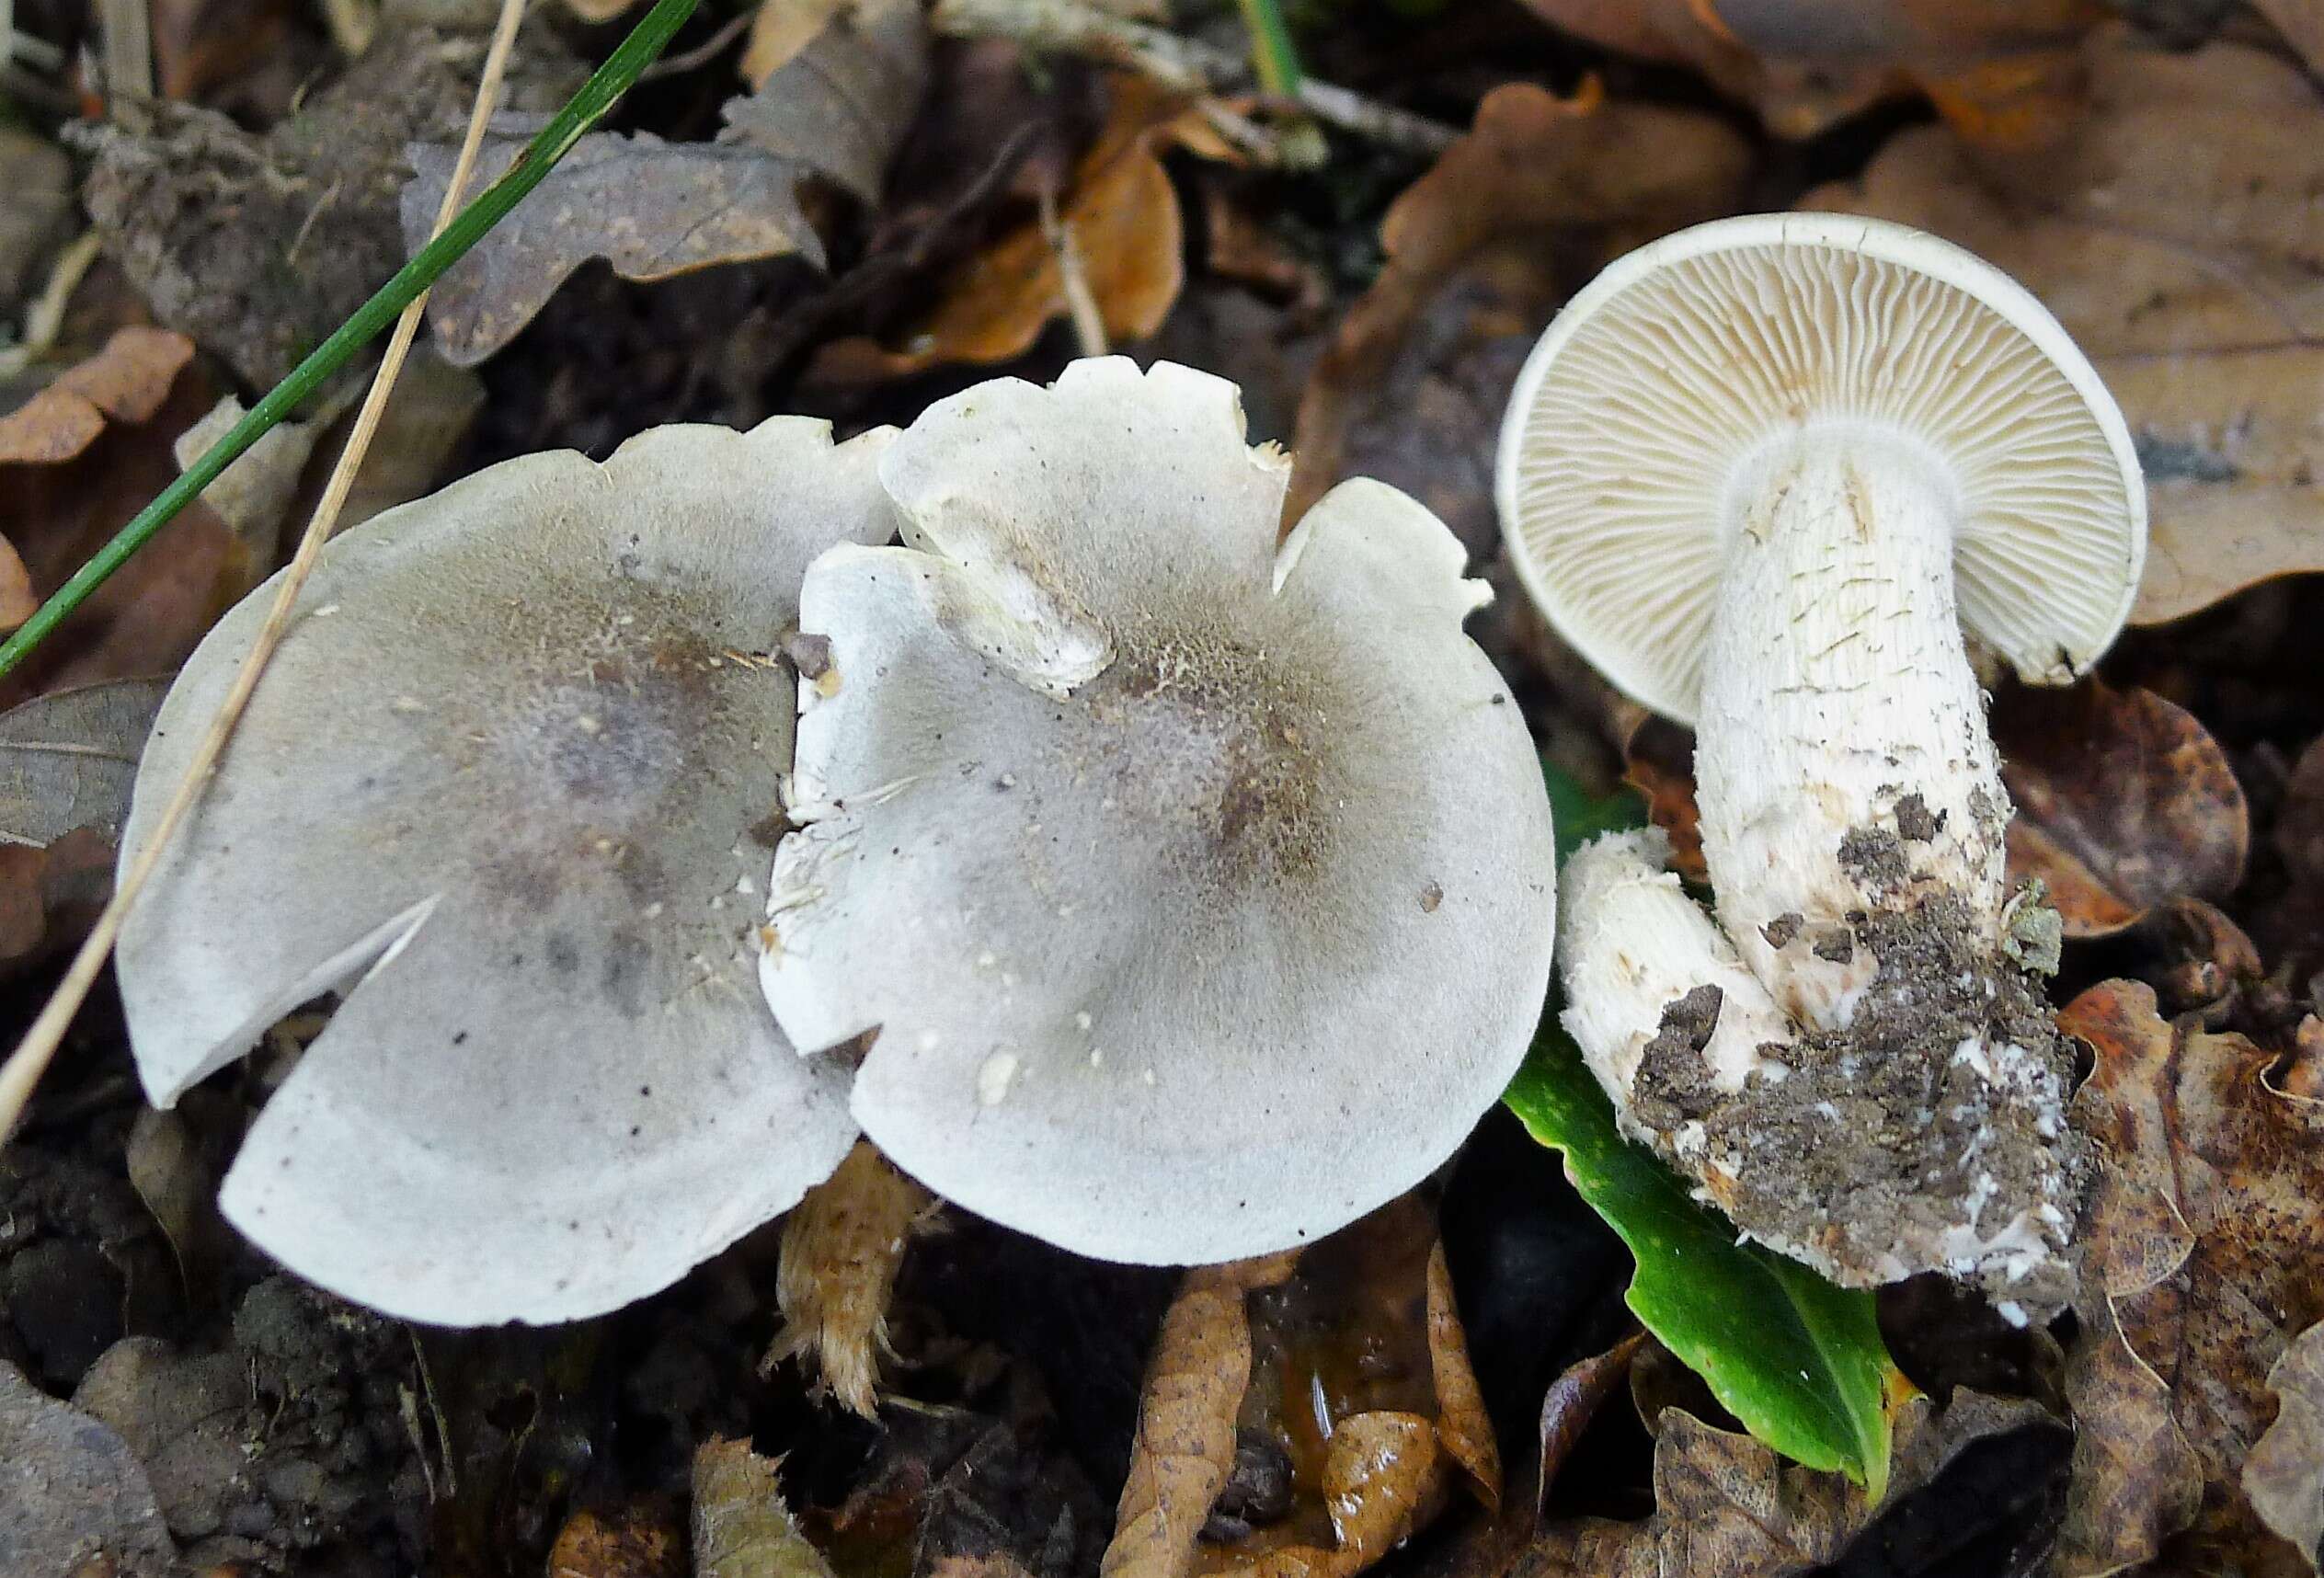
1217	743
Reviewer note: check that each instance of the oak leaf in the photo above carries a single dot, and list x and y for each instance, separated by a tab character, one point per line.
2205	1257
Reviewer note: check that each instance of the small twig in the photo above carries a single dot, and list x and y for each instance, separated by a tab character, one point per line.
25	1066
701	54
45	319
1186	65
1073	280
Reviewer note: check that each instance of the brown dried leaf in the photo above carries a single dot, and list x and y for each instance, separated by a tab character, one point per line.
842	104
2124	802
1725	1504
74	1498
1658	761
1572	1402
2283	1478
637	1542
1185	1441
1514	215
2299	825
1464	1430
126	381
652	209
17	600
742	1528
2000	70
842	1247
148	616
2191	282
2204	1252
1121	212
1380	1473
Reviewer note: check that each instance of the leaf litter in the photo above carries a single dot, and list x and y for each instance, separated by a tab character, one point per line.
2162	200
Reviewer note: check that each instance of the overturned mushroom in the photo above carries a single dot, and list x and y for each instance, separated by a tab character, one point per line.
509	783
1763	472
1197	885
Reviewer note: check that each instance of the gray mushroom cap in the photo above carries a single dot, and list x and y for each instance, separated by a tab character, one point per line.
508	783
1199	888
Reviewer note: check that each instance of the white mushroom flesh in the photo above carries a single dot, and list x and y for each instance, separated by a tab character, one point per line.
1198	888
499	786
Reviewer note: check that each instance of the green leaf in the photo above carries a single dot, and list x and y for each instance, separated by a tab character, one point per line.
1581	816
1799	1361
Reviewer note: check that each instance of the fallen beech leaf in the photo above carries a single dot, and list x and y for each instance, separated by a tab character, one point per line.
1463	1428
2284	1475
1121	212
652	209
174	1159
841	104
1998	68
2191	282
1572	1402
200	45
2208	957
742	1527
74	1500
126	381
2204	1248
1479	249
634	1543
2124	802
597	11
67	759
842	1247
1186	1442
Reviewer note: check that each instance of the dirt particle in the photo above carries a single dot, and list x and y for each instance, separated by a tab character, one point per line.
1916	823
1780	930
1431	896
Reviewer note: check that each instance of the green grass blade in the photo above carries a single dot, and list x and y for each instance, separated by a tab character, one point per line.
1799	1361
596	96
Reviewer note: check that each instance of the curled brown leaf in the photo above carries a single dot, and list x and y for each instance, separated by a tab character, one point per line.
2124	801
2204	1246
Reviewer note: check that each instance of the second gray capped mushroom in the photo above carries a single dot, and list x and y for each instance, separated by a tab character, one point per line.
1198	885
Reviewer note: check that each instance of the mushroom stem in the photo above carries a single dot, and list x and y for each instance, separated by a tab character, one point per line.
1646	972
1843	763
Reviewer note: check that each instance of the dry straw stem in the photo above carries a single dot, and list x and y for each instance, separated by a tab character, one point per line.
21	1074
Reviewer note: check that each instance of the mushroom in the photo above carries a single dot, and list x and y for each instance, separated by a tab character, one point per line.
1198	885
1763	472
509	783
